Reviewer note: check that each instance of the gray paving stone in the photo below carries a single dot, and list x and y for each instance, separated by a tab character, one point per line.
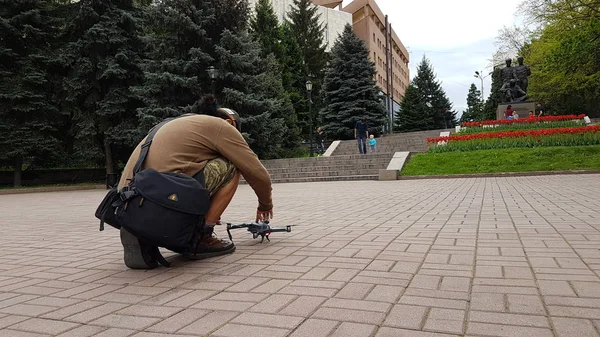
509	256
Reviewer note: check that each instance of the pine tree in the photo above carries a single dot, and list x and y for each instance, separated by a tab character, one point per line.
292	65
232	15
491	104
308	31
306	26
252	86
474	105
175	72
439	110
28	115
448	114
104	58
414	114
265	27
350	93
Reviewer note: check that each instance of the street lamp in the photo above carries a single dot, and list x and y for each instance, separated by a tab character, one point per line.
310	123
212	73
480	76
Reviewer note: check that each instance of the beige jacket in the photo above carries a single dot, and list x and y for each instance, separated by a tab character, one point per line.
184	145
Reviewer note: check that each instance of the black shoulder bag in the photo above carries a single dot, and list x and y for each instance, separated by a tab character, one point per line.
163	209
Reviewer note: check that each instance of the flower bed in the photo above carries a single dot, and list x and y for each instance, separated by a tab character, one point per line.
578	136
522	120
523	126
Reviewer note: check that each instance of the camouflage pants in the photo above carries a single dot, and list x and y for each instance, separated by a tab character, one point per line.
218	172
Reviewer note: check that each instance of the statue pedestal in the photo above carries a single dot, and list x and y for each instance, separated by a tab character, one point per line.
520	108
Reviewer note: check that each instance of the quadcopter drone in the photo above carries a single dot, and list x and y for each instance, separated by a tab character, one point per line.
258	229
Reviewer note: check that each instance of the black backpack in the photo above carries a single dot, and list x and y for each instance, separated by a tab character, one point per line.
161	209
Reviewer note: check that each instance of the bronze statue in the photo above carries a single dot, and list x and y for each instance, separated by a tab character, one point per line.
523	72
512	92
508	73
512	78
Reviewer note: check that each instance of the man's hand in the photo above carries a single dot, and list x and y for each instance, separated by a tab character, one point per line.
264	215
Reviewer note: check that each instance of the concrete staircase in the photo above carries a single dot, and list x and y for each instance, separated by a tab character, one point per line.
397	142
346	163
334	168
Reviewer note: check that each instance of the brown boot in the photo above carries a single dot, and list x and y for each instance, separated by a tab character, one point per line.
210	246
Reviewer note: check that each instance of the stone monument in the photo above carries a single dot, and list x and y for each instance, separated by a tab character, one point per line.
515	81
523	72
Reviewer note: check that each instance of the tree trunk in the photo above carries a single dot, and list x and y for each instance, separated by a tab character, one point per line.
18	170
110	169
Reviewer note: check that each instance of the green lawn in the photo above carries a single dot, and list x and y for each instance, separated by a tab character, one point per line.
557	158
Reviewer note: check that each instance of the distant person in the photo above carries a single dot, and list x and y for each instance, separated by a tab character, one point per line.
508	113
531	114
320	138
361	133
541	111
372	143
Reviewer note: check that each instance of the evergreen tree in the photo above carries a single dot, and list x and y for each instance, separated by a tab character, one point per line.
76	152
265	28
474	105
491	104
308	31
431	93
175	72
449	115
27	113
414	115
350	92
292	66
252	86
232	15
104	58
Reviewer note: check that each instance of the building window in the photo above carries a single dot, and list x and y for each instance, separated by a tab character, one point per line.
373	37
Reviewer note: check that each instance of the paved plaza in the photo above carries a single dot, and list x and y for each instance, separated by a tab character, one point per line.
513	256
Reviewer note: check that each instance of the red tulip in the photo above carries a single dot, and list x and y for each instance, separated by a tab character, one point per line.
517	134
523	120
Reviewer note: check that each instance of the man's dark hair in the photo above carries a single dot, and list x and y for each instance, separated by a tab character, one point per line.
207	105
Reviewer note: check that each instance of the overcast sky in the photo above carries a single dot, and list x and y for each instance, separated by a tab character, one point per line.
456	36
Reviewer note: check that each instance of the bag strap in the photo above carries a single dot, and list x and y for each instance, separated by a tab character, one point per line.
146	145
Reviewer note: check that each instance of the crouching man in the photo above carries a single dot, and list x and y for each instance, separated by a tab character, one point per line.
208	146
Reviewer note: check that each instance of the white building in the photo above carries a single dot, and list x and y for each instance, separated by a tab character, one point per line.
333	20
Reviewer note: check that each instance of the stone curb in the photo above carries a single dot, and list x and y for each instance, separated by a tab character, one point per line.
500	175
52	189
